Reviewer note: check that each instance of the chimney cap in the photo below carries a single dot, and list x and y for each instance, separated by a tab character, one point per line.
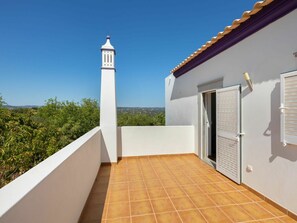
107	45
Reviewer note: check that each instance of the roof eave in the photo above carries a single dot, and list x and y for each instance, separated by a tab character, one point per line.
268	14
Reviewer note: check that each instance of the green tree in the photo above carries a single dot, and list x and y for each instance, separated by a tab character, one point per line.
29	136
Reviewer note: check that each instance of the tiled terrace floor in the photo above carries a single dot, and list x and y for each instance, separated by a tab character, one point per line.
172	189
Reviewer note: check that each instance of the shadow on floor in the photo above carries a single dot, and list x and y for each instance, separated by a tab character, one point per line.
94	206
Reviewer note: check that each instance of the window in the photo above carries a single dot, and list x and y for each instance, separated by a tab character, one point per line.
288	108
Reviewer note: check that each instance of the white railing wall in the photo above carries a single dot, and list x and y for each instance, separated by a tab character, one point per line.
155	140
56	189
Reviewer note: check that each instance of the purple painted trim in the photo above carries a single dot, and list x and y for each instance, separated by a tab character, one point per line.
267	15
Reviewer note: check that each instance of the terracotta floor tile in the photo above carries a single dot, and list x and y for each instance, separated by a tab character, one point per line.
223	186
221	199
214	215
273	220
192	216
178	172
118	186
236	186
170	217
118	179
134	171
118	220
256	211
138	195
144	219
169	183
141	208
191	189
236	213
202	201
118	196
213	178
165	175
118	210
183	180
157	193
209	188
251	195
175	192
182	203
200	180
287	219
150	176
152	183
136	185
162	205
148	172
271	209
135	177
146	182
160	169
238	197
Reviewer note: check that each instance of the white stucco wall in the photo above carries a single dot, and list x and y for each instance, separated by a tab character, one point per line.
56	189
264	55
108	115
155	140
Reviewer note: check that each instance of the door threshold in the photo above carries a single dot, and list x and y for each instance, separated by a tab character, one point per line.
210	162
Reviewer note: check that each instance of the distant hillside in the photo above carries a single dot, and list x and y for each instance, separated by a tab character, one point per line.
144	110
21	106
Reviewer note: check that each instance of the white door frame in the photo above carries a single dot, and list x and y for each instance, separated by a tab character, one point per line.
230	140
235	137
205	130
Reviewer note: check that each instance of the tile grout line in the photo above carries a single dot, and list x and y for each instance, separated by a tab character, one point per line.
130	217
108	194
273	218
148	193
166	191
189	197
236	203
268	210
223	192
240	205
166	165
207	195
194	209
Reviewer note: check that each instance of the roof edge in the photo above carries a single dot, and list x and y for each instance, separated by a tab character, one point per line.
272	11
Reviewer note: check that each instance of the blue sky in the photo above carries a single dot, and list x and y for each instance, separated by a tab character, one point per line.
51	48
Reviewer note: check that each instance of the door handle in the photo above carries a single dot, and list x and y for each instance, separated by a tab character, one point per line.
238	135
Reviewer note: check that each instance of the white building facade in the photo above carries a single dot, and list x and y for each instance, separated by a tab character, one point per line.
108	105
238	129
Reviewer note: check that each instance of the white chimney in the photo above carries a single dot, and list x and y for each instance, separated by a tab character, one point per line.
108	106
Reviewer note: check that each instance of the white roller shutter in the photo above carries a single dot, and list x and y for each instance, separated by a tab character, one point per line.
288	108
228	133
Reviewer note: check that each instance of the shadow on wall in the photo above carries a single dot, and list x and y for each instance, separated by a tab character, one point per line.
104	153
179	90
273	130
94	207
119	142
245	92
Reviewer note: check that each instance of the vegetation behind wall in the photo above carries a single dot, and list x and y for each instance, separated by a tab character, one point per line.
30	135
